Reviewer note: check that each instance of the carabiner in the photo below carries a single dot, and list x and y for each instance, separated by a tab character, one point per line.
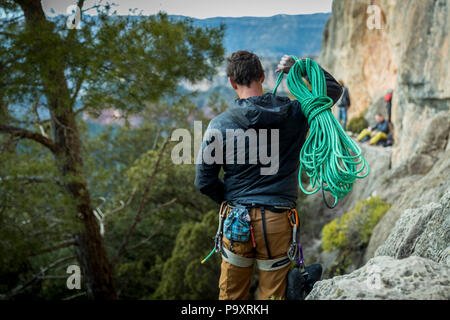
293	218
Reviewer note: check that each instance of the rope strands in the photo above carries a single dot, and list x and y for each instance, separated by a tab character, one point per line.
330	158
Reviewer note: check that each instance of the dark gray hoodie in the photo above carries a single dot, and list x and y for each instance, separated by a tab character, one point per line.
244	183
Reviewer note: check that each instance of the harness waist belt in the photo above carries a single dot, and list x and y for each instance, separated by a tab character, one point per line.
274	209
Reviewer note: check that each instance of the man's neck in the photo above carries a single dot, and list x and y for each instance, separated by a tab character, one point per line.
252	91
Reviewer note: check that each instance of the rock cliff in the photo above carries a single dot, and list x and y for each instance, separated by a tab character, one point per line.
409	247
409	54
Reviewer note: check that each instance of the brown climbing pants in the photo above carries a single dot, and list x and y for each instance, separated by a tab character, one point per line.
235	281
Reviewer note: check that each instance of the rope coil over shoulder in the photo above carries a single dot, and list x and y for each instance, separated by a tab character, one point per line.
329	156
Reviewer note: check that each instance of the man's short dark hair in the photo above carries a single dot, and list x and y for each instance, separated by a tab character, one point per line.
244	67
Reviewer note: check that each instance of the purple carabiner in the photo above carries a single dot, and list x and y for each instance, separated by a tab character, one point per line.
302	260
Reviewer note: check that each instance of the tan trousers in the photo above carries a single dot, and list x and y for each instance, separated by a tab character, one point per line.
235	281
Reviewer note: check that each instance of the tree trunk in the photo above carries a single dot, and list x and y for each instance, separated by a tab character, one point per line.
91	253
90	249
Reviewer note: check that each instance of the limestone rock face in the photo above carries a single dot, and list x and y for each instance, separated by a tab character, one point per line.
422	179
424	231
408	256
385	278
409	54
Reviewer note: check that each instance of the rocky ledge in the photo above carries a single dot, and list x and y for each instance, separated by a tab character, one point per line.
386	278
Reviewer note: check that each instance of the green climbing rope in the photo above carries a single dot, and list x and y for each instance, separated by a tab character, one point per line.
330	158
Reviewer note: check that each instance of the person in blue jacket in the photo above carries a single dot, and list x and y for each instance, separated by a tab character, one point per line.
377	133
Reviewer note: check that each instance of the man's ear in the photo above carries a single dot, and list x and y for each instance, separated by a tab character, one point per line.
232	83
263	78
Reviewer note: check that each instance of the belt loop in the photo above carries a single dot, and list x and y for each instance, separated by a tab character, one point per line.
263	216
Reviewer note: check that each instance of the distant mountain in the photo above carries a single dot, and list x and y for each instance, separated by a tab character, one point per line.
268	37
271	37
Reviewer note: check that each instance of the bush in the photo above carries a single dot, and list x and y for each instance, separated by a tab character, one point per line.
353	230
357	124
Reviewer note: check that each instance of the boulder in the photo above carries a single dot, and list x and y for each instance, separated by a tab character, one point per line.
386	278
408	192
423	231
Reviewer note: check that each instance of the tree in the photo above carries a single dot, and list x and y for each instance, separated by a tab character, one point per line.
183	276
48	70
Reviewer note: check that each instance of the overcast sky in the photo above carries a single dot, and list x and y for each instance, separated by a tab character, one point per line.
207	8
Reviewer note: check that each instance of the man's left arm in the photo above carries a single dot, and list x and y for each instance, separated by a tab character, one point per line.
334	89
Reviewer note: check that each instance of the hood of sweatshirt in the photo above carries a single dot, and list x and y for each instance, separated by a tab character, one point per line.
266	111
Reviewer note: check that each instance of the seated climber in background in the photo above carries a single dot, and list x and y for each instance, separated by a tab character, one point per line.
378	133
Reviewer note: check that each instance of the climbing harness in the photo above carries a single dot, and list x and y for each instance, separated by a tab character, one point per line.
235	259
244	262
234	228
329	156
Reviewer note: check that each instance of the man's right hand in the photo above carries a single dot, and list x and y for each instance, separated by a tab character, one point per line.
285	64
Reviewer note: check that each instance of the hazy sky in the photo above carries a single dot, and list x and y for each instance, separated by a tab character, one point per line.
207	8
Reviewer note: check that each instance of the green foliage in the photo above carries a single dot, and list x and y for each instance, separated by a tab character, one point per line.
134	66
351	233
357	124
183	276
129	163
117	61
34	214
353	230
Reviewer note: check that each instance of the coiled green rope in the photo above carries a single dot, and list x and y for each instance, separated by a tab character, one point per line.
329	156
